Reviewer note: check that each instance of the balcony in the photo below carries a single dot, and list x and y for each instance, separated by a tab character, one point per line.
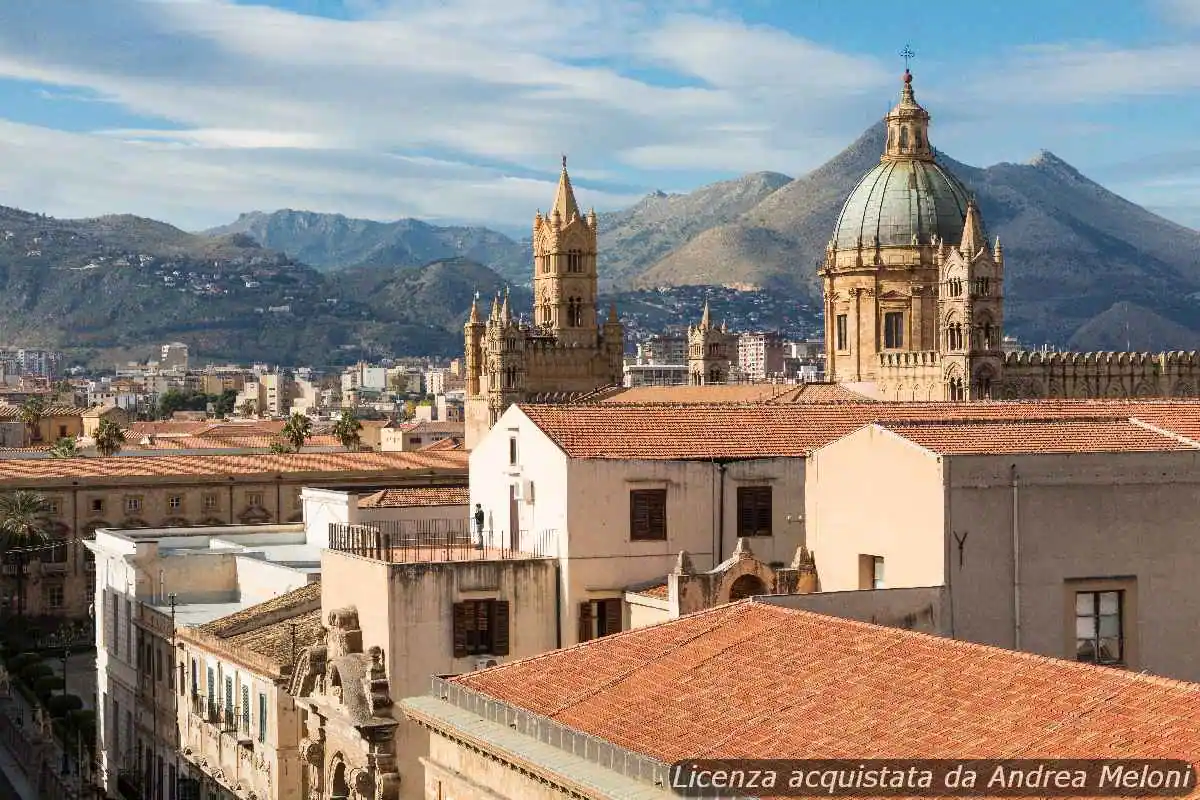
437	540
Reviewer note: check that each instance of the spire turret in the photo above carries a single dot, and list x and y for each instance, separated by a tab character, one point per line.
505	311
495	307
973	238
565	207
474	309
705	318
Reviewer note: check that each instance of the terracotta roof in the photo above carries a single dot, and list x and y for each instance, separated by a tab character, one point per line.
280	617
406	497
13	412
659	591
439	426
753	680
735	393
96	412
449	443
981	437
765	430
203	441
17	470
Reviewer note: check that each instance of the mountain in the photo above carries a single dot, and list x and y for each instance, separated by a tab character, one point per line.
333	241
635	238
1072	248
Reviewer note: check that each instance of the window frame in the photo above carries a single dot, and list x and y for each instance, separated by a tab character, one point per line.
893	330
1096	615
648	515
755	511
481	627
841	332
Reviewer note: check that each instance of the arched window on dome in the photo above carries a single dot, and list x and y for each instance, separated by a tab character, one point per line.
917	137
904	136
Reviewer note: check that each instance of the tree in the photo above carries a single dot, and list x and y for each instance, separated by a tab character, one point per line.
280	448
297	430
224	403
31	415
347	428
22	526
247	408
64	448
109	438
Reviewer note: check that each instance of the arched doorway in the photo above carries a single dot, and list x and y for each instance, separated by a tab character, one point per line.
339	788
746	586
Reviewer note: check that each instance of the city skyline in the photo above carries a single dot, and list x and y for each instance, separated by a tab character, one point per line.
192	111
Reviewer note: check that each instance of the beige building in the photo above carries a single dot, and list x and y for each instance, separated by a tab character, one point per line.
565	349
1102	491
914	295
605	721
85	494
410	436
55	422
760	356
92	417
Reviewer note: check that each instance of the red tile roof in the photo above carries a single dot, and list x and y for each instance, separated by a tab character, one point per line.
407	497
20	470
12	412
753	680
449	443
734	393
984	437
765	430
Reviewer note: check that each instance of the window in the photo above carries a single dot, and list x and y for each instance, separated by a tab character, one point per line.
1099	629
870	572
262	717
133	505
175	502
116	629
97	505
480	628
754	511
648	514
512	450
211	502
893	329
53	505
843	332
574	261
52	595
954	336
599	618
212	686
254	498
182	682
62	431
228	697
245	709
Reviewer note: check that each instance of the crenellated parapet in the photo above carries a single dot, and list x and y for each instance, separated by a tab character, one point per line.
1103	359
907	359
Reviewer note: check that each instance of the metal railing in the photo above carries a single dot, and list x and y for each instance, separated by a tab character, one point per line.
415	541
583	745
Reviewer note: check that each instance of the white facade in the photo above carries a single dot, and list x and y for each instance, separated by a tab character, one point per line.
529	488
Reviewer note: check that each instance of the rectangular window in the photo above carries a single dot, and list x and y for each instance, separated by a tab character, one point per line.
175	502
754	511
870	572
211	502
599	618
843	332
97	505
512	450
262	717
1099	627
133	505
228	696
212	686
893	329
195	677
254	498
53	595
53	506
481	628
648	515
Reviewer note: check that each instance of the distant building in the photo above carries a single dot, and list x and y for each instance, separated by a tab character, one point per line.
174	356
44	363
711	352
663	348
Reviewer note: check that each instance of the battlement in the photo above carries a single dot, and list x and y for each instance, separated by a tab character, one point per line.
1051	358
920	358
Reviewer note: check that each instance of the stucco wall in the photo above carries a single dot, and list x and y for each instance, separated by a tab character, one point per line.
919	609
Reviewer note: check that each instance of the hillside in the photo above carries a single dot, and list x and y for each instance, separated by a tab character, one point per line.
1072	247
635	238
333	241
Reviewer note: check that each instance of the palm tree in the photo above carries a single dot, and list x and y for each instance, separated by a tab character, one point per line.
31	414
22	525
297	430
347	428
64	448
109	438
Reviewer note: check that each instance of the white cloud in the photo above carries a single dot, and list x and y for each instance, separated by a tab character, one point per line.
1182	12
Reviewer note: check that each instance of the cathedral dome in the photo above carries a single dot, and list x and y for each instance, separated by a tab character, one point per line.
902	199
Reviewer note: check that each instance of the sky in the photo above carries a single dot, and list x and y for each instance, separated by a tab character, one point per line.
453	111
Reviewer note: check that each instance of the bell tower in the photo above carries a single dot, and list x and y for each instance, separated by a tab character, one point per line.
564	269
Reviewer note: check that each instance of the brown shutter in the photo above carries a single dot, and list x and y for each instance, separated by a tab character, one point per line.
763	517
658	514
745	511
461	612
585	621
612	616
500	628
639	515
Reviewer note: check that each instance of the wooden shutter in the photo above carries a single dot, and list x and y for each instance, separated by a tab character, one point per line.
585	621
461	621
648	514
763	521
754	510
500	628
612	616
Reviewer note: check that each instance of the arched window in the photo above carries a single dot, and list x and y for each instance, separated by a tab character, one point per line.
954	337
575	312
904	136
956	389
714	349
574	261
714	375
955	287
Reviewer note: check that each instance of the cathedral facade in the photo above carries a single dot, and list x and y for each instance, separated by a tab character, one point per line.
564	350
914	295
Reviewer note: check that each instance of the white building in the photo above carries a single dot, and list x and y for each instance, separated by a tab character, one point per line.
173	356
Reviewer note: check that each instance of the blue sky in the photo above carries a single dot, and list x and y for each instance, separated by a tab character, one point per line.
192	111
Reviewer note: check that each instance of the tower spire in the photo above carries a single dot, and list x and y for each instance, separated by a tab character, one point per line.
705	317
475	308
973	238
564	200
